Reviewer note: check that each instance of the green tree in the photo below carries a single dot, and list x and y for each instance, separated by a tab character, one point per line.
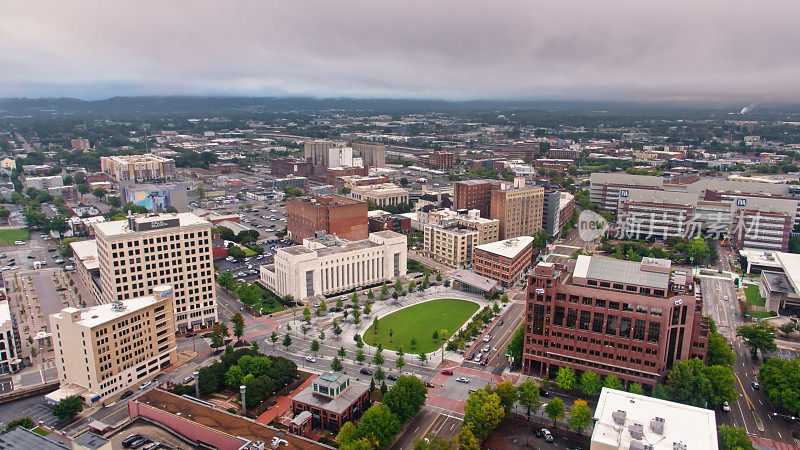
398	286
718	351
234	376
406	397
732	438
238	326
636	388
347	434
590	383
287	341
412	286
565	378
697	250
528	395
99	192
514	347
555	410
377	359
508	395
722	384
307	315
380	423
342	352
687	383
315	346
612	382
786	328
758	336
400	362
660	391
380	375
24	422
274	337
781	382
466	438
580	416
336	365
68	407
483	412
360	357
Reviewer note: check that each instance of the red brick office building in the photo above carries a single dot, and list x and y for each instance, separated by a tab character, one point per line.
504	261
333	214
612	317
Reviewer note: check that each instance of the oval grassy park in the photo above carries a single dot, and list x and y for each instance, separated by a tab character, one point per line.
418	323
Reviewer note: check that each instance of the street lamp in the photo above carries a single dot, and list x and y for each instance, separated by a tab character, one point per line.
196	384
242	390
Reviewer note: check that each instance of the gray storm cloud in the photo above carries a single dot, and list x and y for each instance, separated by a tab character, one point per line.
628	50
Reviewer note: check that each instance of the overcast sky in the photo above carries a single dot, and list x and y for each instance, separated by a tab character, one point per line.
697	50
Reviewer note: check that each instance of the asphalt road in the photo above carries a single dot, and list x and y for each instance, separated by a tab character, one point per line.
752	410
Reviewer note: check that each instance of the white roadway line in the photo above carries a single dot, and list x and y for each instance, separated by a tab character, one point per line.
742	414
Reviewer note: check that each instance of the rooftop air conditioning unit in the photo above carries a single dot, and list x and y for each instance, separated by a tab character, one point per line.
657	425
636	430
619	417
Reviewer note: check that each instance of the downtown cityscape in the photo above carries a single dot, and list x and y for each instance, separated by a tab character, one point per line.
263	235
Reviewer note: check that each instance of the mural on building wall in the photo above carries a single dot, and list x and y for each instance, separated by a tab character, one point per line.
155	200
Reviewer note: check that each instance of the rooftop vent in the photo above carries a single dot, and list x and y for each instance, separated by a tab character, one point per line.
117	306
678	445
619	417
637	445
657	425
636	430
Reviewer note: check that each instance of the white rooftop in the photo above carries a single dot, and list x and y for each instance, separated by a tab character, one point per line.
5	315
100	314
118	227
695	428
86	252
791	267
508	248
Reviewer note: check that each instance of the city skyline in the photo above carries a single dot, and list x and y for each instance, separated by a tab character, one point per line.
709	52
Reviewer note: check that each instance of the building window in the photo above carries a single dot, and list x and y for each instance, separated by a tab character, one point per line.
597	323
572	317
625	327
654	332
585	318
638	329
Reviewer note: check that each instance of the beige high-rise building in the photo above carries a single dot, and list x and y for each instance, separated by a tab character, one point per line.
102	351
142	252
518	209
129	169
450	244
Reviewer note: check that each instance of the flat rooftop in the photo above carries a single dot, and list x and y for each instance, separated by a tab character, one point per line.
100	314
696	428
338	404
5	314
218	420
620	271
120	227
474	280
86	252
509	248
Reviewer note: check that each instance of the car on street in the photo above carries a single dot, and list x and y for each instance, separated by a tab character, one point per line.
464	380
429	384
500	323
311	359
544	393
126	395
188	379
19	242
755	386
546	435
446	372
487	338
486	348
478	357
366	371
392	377
726	406
471	356
145	385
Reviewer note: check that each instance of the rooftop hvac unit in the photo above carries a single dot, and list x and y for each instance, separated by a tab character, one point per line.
678	445
117	306
657	425
637	445
619	416
636	430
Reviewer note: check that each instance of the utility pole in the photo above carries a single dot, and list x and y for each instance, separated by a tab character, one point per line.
242	389
196	384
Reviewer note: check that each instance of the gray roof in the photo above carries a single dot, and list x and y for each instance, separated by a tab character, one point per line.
336	405
619	271
90	440
474	280
23	439
777	282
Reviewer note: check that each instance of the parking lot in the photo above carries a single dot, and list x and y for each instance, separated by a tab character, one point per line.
451	388
247	269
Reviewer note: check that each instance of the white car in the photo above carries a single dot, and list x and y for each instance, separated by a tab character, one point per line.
464	380
145	385
486	348
19	242
487	338
311	359
478	357
726	406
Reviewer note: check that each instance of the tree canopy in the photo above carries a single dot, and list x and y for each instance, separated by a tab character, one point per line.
781	382
406	397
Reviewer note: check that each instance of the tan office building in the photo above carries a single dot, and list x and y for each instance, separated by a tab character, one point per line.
450	244
127	169
488	229
102	351
519	210
145	251
386	194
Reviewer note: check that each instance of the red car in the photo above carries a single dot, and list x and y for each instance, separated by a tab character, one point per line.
447	372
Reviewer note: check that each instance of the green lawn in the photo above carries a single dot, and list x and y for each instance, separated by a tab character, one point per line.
40	431
7	237
248	251
416	266
763	314
751	291
419	322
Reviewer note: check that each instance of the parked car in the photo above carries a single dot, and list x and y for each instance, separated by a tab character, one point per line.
188	379
366	371
130	440
145	385
755	386
478	357
487	338
392	377
486	348
311	359
537	432
546	435
140	443
464	380
446	372
429	384
726	406
500	323
126	395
